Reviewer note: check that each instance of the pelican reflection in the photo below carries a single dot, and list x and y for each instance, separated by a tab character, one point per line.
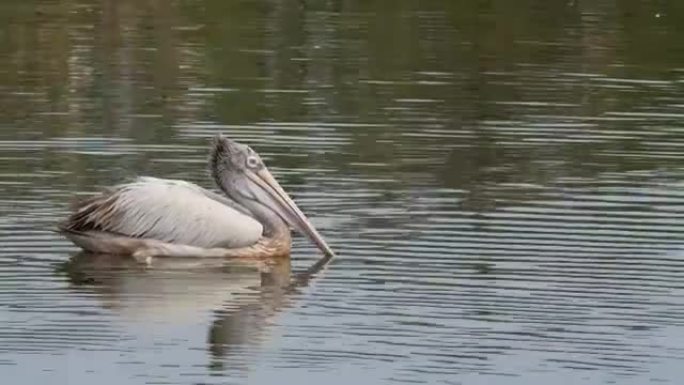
236	299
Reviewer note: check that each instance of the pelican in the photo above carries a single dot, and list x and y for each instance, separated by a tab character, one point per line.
153	217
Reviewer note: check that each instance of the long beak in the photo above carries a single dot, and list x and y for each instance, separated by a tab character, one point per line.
287	208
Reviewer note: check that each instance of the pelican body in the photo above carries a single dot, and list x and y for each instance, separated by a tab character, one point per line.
153	217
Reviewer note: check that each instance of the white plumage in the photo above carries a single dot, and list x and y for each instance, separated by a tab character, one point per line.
172	211
162	217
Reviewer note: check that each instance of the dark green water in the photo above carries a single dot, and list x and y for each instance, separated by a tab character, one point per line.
503	181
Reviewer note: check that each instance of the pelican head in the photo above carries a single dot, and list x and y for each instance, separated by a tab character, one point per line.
241	174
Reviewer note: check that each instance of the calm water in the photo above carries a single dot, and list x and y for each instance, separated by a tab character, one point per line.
503	181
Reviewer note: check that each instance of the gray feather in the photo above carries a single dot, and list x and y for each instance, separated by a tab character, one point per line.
168	210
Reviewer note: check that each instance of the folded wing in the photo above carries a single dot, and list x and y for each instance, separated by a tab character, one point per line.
168	210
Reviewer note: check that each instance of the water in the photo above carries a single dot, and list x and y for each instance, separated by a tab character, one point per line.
503	182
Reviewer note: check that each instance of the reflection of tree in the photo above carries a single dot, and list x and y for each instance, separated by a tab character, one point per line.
433	82
494	78
87	69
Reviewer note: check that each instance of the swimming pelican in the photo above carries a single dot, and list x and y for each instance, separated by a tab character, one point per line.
153	217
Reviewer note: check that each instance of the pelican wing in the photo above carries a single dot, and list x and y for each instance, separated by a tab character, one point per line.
168	210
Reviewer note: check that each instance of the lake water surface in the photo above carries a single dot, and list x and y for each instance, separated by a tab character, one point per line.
503	182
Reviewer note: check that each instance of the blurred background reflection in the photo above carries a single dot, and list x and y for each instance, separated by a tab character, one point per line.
503	182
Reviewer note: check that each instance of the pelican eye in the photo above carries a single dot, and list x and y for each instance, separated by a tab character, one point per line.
252	162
